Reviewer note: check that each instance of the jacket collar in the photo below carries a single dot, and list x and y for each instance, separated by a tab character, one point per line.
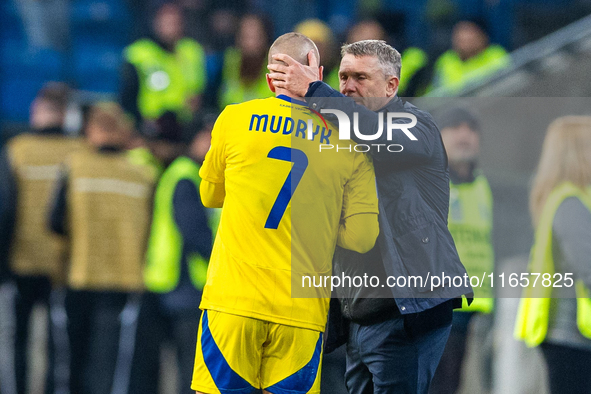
395	103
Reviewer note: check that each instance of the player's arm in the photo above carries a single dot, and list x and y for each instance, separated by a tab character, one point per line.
212	173
358	232
359	228
212	194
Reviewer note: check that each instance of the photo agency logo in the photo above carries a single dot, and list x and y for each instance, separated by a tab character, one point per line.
392	125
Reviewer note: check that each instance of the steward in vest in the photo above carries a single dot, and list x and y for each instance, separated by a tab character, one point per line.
413	72
176	267
103	206
163	73
471	59
35	257
555	312
244	67
470	224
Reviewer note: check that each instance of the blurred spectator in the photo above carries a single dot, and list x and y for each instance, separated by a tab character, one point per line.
471	58
366	30
470	224
213	22
178	254
102	205
164	138
244	70
413	73
138	152
141	13
165	72
320	33
35	259
555	314
46	22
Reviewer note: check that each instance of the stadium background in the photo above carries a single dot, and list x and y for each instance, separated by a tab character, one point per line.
81	42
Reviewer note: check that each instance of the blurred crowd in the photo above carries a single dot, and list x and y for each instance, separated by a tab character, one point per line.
108	233
106	46
168	70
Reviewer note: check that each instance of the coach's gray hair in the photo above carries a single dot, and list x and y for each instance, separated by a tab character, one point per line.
388	57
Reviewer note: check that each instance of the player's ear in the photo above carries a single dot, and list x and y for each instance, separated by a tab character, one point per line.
320	73
270	83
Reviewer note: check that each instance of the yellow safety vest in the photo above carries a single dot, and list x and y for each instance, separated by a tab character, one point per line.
163	267
412	60
332	79
453	74
470	224
143	156
233	89
36	160
534	313
109	204
167	79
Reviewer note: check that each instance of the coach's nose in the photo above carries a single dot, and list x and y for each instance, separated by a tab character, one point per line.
348	86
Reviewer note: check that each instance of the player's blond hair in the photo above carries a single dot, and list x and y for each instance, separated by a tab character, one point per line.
296	45
566	156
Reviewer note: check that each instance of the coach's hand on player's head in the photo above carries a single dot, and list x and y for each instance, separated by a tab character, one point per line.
294	76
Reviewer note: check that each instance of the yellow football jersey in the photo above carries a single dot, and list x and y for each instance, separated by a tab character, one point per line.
285	198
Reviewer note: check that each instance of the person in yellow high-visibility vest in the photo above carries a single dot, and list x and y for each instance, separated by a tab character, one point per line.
176	264
165	72
470	224
555	312
244	65
470	59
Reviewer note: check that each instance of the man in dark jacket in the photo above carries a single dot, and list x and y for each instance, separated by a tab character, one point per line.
396	337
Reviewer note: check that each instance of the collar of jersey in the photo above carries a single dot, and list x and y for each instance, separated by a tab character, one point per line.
292	100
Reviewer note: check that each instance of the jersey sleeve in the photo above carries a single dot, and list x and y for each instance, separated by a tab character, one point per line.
360	194
214	165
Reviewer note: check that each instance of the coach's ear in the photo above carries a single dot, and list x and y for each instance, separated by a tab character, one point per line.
270	83
392	85
321	73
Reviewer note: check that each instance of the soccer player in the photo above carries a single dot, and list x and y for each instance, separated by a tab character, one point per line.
285	207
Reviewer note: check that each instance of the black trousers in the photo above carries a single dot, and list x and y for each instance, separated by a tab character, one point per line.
569	369
155	326
94	332
31	290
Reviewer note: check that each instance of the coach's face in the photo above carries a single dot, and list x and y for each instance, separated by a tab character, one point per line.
363	79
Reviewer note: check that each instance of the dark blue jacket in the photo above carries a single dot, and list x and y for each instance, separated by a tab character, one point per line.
413	193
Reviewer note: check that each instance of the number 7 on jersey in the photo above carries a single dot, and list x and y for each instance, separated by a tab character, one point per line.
300	163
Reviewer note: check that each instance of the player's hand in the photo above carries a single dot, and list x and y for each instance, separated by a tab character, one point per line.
294	76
